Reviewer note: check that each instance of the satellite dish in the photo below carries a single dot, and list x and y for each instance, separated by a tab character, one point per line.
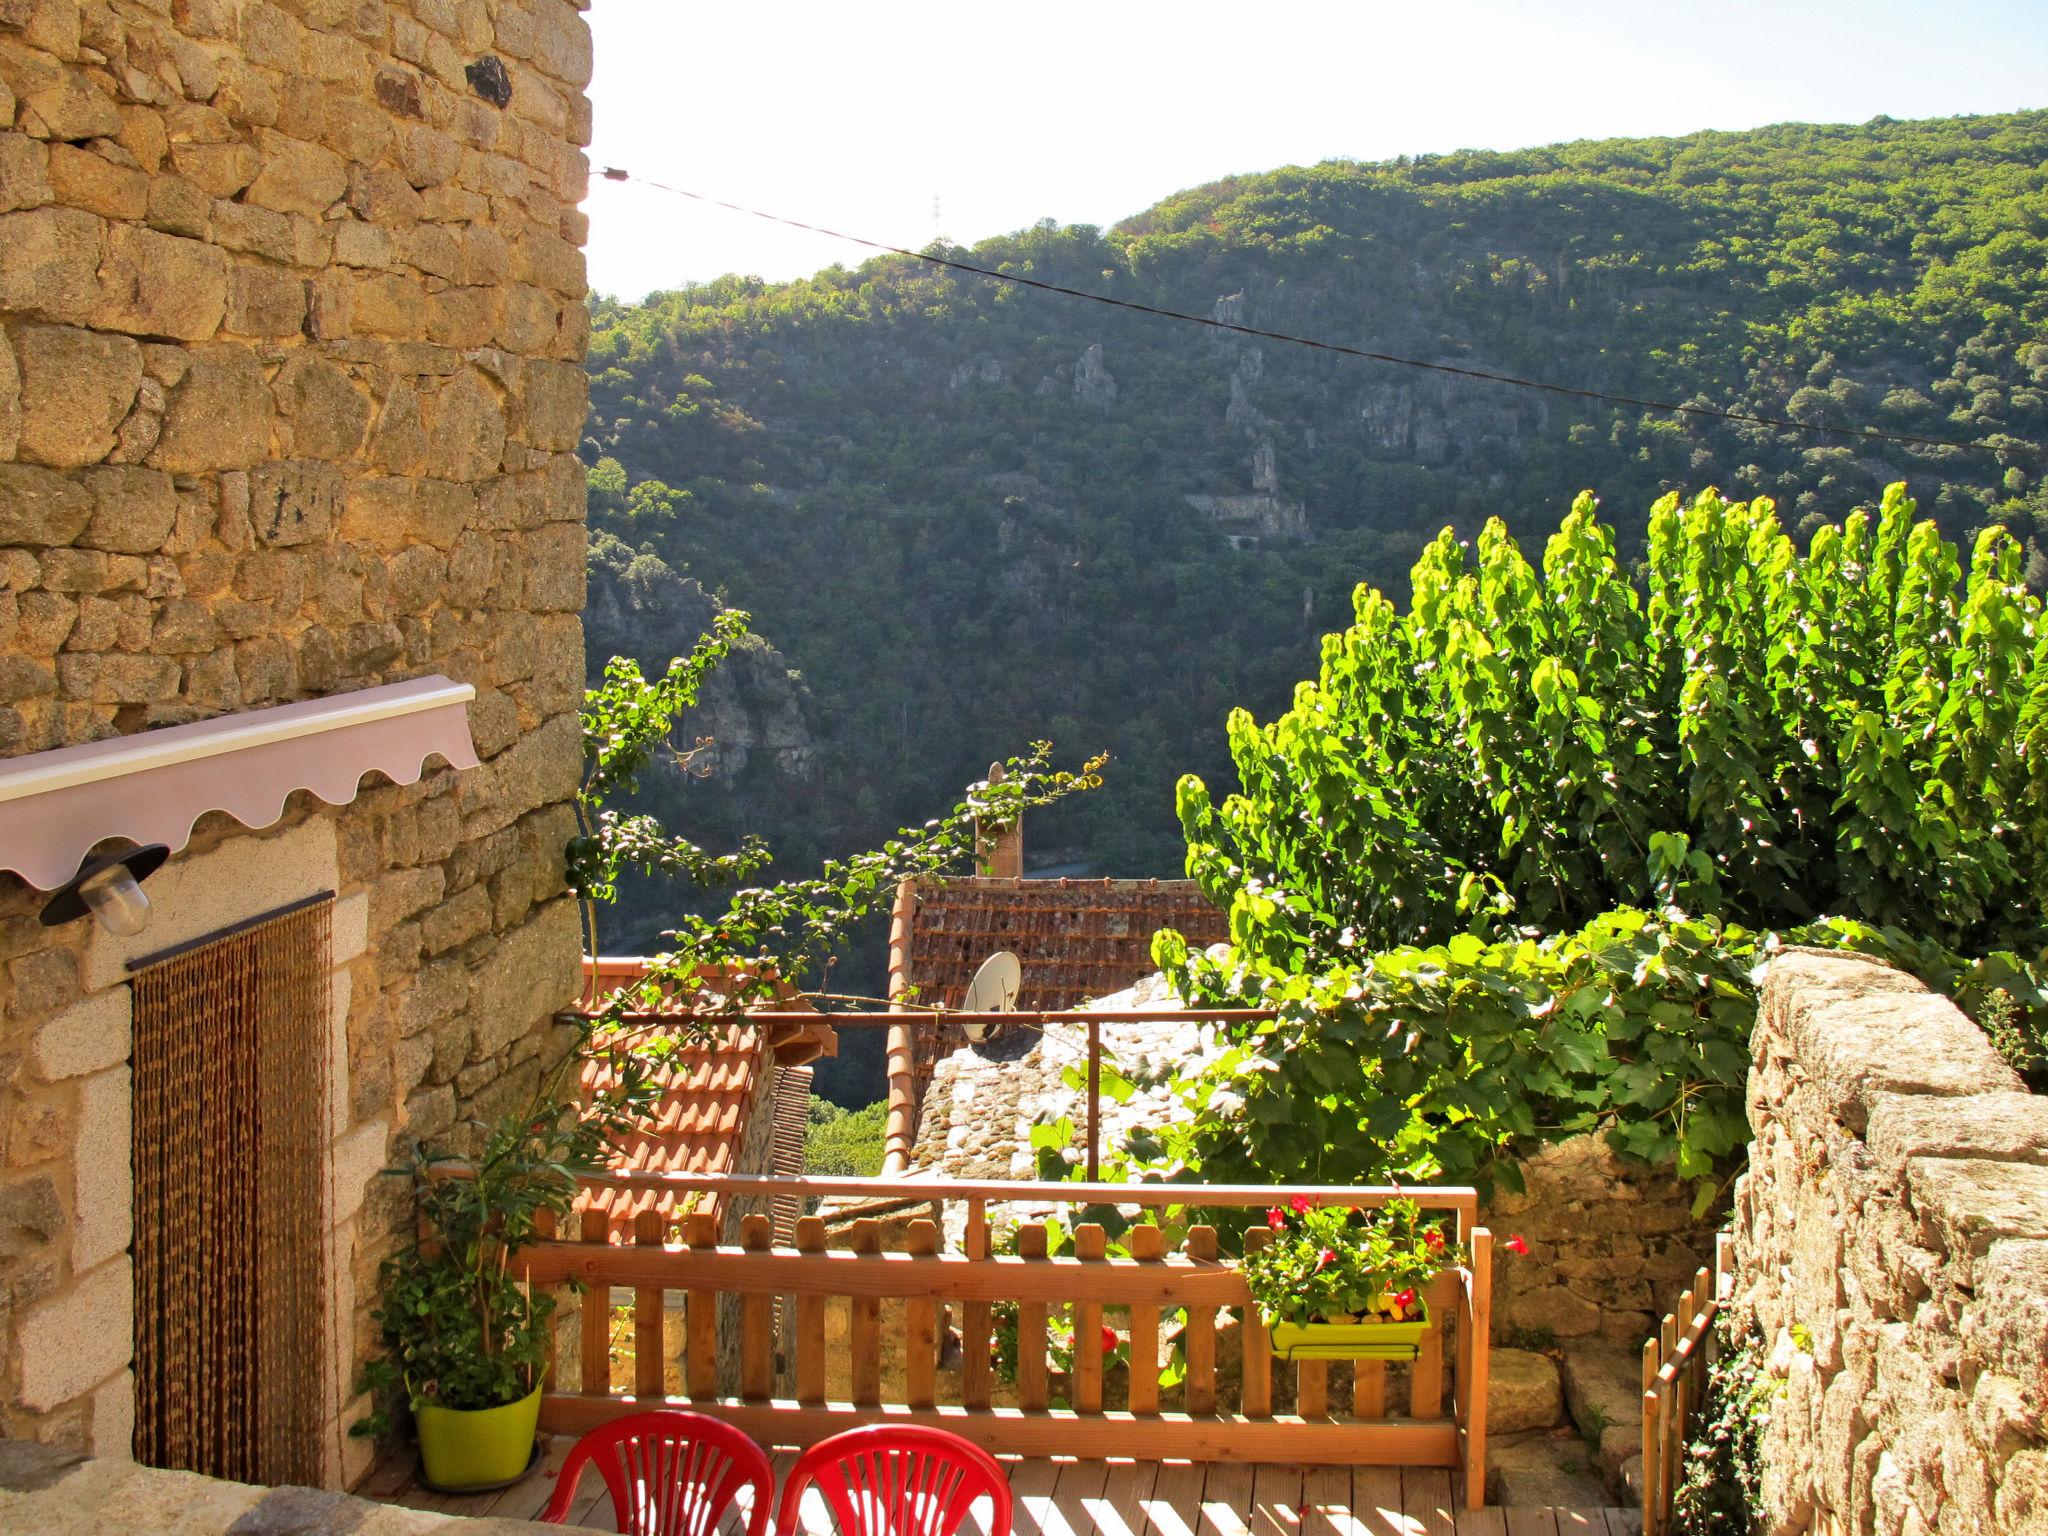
993	990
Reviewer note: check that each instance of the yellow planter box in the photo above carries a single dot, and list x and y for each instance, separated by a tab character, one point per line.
1350	1341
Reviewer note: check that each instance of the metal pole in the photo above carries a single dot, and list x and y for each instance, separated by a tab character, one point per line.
1094	1100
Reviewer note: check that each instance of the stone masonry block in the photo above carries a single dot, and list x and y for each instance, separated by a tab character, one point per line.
1998	1127
72	1342
89	1036
1967	1204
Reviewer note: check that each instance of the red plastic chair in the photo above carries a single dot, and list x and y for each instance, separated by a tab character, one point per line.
670	1473
897	1480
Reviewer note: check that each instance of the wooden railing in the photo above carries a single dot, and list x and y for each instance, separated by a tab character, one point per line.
1206	1416
1675	1382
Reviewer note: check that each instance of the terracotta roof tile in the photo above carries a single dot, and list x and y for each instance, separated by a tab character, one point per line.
706	1093
1076	939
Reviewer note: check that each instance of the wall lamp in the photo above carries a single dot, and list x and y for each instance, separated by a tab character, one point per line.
110	888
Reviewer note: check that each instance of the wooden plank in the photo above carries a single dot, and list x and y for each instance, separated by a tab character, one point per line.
649	1344
1376	1501
1199	1340
1224	1437
544	1227
757	1319
864	1323
1125	1493
1090	1243
1426	1502
1326	1498
1531	1522
977	1320
1481	1522
1175	1508
597	1313
1368	1389
921	1326
1255	1347
810	1321
1032	1486
1033	1384
1624	1522
700	1323
1653	1460
1476	1350
1311	1388
1581	1522
525	1499
1276	1500
1227	1501
1078	1496
1167	1282
1457	1198
1145	1244
1426	1379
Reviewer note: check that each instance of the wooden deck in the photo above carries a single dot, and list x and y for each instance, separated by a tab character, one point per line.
1124	1498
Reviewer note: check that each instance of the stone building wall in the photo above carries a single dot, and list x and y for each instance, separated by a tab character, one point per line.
291	327
1892	1258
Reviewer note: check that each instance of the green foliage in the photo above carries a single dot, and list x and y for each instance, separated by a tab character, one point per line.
458	1330
764	936
890	467
1431	1062
1719	1488
1462	863
844	1143
1751	733
1333	1264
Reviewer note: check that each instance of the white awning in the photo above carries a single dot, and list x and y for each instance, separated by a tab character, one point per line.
151	787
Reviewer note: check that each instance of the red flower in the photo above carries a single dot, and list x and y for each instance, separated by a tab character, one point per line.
1326	1258
1276	1218
1301	1205
1405	1299
1515	1245
1108	1339
1433	1240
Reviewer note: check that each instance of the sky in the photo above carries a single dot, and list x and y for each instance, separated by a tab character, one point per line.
901	123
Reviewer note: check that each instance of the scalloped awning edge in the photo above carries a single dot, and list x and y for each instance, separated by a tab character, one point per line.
153	786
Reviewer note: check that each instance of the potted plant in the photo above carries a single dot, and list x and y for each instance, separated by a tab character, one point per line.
1338	1283
465	1343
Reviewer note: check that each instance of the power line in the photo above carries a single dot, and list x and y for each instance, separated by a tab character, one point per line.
1481	375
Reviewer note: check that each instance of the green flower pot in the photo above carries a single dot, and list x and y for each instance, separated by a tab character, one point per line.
1350	1341
471	1448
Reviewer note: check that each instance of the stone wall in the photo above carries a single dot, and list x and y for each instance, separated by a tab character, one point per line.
1892	1257
291	321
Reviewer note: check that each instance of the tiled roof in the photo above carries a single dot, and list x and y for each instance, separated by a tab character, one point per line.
1075	939
705	1096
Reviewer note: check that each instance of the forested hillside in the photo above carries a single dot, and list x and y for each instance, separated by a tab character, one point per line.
970	515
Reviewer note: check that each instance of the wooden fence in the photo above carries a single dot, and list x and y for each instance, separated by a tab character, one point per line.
1215	1418
1675	1381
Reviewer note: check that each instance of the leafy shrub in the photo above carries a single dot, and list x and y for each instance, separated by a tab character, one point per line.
844	1143
1723	1466
1507	864
1431	1061
1747	733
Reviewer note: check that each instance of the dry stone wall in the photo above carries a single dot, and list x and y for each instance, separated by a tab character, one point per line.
1892	1258
291	327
